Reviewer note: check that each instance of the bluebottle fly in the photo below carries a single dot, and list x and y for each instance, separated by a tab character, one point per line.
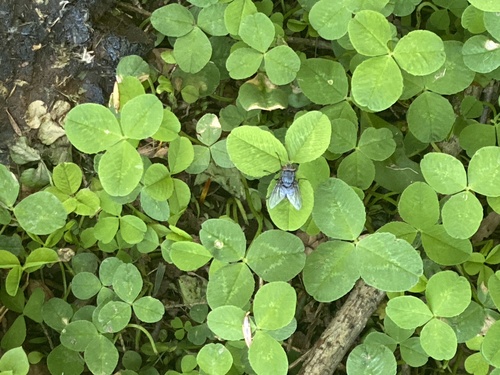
286	187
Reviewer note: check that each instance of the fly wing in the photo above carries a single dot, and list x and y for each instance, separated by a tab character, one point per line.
293	195
277	195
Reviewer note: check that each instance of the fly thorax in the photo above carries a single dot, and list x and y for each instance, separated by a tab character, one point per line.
288	177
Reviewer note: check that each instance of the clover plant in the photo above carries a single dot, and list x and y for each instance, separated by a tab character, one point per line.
153	249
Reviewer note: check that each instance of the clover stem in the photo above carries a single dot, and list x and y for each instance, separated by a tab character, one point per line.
148	335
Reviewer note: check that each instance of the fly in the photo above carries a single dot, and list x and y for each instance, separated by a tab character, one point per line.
286	187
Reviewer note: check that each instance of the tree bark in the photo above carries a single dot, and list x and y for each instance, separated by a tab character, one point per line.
343	330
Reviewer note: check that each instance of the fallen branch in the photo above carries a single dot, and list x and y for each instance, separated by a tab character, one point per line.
343	330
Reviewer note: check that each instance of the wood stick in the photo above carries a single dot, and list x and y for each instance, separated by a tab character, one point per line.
343	330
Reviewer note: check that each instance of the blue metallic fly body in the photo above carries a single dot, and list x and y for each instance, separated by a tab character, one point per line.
286	187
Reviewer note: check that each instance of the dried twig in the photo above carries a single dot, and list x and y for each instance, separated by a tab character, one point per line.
343	330
133	8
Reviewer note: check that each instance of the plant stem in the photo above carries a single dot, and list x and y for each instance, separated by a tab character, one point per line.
242	211
419	10
150	338
64	281
193	140
256	214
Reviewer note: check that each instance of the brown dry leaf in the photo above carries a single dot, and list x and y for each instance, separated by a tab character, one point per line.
35	114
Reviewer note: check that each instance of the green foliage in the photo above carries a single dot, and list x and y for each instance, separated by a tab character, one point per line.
448	295
14	361
169	262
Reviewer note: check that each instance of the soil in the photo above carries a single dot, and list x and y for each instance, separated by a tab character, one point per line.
59	50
